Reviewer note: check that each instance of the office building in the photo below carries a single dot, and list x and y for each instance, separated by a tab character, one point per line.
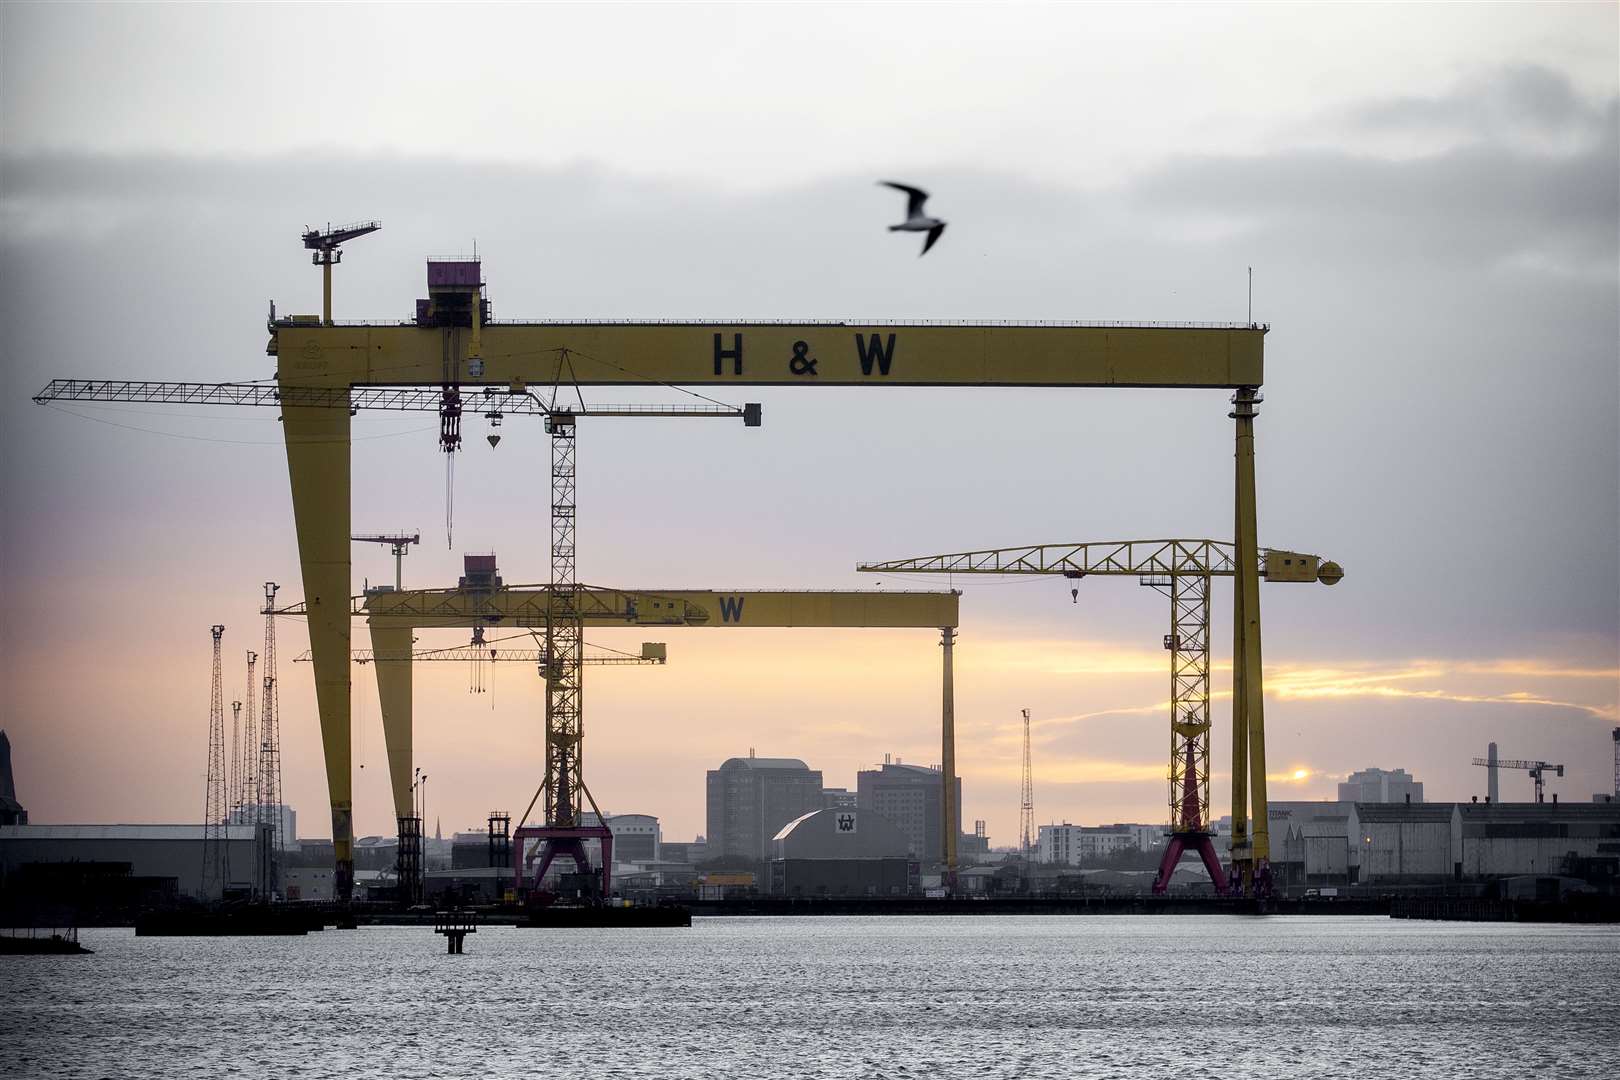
1380	786
910	797
751	798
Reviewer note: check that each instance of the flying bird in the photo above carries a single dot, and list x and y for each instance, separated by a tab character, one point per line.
916	220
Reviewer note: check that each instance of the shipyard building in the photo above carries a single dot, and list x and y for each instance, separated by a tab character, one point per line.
842	851
1413	845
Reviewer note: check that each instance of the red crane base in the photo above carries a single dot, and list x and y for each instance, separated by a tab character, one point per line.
565	841
1181	842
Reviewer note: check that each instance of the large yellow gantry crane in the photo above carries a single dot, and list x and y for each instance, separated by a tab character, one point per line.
451	350
395	616
1180	570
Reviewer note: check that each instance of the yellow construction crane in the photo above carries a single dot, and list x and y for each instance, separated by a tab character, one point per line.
325	372
1534	768
394	618
398	544
326	245
1181	570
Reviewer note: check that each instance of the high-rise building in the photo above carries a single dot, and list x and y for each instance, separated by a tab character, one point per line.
751	798
839	798
1377	785
911	797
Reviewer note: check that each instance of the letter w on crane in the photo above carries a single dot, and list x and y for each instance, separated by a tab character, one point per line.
875	350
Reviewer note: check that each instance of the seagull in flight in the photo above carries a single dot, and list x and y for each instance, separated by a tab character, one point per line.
916	220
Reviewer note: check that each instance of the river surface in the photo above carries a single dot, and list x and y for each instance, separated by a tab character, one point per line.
1008	996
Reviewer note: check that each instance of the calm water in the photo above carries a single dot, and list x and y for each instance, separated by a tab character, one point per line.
859	997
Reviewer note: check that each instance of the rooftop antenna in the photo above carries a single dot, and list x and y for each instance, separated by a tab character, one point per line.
1251	296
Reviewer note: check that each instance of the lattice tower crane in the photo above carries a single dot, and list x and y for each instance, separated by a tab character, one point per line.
247	787
1534	768
326	245
563	737
398	545
1180	570
233	795
1026	804
216	869
269	816
563	833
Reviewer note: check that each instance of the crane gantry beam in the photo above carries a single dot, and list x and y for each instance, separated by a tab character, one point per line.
1181	570
654	655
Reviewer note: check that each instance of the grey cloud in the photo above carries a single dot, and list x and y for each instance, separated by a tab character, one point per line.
1523	100
1486	202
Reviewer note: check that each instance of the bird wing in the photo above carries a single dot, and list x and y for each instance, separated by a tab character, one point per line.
915	197
933	234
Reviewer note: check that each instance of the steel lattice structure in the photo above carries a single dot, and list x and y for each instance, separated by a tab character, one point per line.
268	818
484	399
1180	570
1026	803
247	784
216	872
1188	645
467	653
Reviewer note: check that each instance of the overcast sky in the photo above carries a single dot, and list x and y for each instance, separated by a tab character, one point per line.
1428	196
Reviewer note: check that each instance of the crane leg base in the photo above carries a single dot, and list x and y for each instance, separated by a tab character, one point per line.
1183	842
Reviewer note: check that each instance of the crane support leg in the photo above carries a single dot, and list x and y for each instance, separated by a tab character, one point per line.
1247	628
394	688
1242	855
947	802
318	464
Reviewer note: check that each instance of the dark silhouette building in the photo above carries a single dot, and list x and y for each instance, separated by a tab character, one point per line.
911	797
11	811
750	799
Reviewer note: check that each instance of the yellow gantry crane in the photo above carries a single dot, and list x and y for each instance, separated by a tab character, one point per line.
394	618
451	353
1180	570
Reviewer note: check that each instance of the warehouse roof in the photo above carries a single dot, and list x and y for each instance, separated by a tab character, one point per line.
117	832
1399	813
1563	811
